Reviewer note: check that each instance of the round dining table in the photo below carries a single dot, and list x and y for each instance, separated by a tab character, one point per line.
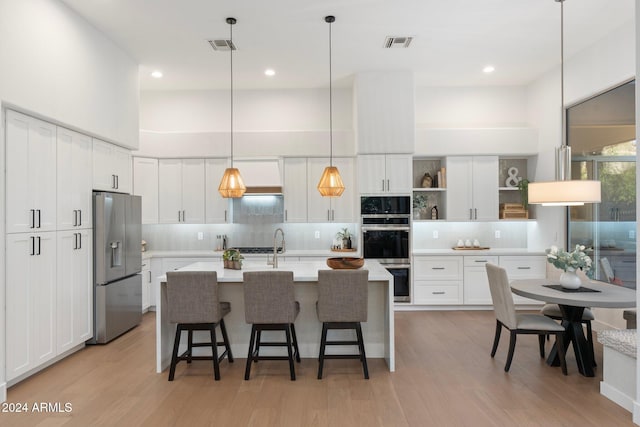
572	304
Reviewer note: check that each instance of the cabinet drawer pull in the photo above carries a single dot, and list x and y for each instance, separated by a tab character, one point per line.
437	268
33	218
75	217
524	268
117	182
481	260
470	213
476	212
438	293
39	219
33	245
388	185
38	253
80	217
79	240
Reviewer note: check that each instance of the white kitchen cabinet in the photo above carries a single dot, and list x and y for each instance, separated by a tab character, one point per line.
330	209
74	170
295	189
476	282
216	206
384	112
111	167
31	301
181	191
74	289
437	280
147	280
31	174
472	188
145	185
379	173
524	267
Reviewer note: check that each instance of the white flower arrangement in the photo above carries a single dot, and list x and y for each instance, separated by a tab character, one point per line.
570	261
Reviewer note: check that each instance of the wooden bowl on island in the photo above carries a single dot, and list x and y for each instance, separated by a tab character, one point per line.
345	263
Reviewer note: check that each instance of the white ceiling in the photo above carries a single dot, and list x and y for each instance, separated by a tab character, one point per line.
454	39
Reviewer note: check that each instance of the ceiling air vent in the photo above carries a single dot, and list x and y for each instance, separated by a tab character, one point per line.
222	44
393	42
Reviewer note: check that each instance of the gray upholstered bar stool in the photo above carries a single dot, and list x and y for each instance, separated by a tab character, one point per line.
269	305
192	303
342	304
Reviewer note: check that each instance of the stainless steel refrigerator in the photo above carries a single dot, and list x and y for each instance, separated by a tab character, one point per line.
117	263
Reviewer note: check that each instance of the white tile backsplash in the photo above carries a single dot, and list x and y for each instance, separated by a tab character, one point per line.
512	234
297	236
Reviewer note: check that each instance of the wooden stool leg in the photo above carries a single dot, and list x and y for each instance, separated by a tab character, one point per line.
189	345
214	349
295	343
247	370
323	343
174	355
363	356
290	353
225	337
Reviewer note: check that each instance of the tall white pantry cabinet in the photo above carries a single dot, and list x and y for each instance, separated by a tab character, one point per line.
48	243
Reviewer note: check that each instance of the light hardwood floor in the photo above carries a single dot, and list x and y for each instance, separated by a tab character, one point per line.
444	377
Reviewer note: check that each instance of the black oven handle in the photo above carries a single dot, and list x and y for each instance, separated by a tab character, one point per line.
384	228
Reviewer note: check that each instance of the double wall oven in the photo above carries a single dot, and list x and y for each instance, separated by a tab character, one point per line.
385	226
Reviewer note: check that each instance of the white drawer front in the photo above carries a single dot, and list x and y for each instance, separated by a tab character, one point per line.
524	267
479	261
424	293
438	268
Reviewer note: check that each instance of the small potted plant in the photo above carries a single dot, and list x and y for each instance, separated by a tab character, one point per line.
523	187
420	205
232	259
345	236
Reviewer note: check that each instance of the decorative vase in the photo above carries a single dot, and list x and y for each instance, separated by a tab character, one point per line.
570	280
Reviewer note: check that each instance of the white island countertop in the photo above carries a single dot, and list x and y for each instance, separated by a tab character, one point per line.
303	271
378	330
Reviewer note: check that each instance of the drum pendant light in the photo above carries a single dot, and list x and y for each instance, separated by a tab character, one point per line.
231	185
563	191
330	184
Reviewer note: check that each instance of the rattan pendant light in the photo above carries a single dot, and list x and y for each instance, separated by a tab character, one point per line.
231	185
330	184
563	191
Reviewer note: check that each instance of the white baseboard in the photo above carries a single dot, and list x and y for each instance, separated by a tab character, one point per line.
3	392
617	396
636	413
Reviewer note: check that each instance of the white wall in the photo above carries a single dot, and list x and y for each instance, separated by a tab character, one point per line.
54	64
292	122
471	107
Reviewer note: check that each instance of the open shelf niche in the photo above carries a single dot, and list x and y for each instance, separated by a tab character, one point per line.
425	198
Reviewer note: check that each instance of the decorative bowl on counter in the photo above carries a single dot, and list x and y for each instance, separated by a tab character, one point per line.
342	263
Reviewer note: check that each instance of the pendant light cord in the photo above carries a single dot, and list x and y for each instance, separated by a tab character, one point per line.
231	21
330	20
564	130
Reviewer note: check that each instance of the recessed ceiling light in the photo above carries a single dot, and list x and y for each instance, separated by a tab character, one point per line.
156	74
489	69
269	72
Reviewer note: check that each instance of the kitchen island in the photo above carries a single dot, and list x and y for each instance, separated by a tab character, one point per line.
378	331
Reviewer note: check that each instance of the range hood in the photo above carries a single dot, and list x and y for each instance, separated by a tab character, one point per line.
260	176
